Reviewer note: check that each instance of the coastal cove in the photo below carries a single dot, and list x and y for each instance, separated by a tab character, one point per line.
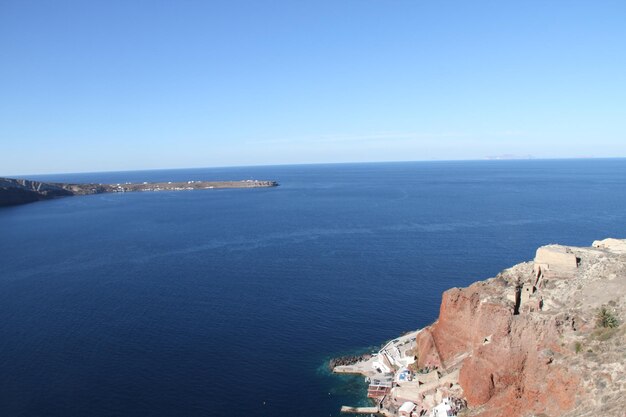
211	302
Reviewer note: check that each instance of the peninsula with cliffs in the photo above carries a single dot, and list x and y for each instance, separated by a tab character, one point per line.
543	338
21	191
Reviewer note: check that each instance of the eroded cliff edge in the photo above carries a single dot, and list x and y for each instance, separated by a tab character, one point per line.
528	342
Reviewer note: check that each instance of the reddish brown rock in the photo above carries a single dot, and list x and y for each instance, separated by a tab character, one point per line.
505	359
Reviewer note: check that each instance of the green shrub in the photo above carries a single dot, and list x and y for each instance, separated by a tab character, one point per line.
606	319
578	347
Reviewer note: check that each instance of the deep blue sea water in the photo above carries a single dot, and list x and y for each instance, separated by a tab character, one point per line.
228	302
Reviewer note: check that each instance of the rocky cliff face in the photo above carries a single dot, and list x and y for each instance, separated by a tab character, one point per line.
14	192
527	342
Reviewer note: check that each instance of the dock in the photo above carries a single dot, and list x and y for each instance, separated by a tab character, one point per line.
360	410
379	370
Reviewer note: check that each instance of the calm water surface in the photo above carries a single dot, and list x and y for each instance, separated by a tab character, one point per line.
228	302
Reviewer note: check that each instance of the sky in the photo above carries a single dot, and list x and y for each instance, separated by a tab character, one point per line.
119	85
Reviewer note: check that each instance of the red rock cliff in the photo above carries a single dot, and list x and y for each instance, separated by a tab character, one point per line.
514	354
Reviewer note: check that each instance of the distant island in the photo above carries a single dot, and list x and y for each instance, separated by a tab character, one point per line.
19	191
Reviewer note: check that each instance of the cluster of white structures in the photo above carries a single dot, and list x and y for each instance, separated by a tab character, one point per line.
396	354
418	394
443	409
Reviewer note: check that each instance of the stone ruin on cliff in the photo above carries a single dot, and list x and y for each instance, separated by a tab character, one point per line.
551	262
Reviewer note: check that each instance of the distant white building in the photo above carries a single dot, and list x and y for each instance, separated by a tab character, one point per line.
444	409
382	363
406	409
395	355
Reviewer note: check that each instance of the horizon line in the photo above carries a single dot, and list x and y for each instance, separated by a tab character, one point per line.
485	159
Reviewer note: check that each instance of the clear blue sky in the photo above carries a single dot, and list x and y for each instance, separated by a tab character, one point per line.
114	85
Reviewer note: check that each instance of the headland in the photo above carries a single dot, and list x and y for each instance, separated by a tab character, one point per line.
21	191
543	338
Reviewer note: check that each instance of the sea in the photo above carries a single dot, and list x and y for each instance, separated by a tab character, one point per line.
231	302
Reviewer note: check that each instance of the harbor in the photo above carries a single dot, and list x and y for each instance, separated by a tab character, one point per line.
398	387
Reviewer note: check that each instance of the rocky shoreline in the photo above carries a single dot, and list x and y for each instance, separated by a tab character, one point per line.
348	360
